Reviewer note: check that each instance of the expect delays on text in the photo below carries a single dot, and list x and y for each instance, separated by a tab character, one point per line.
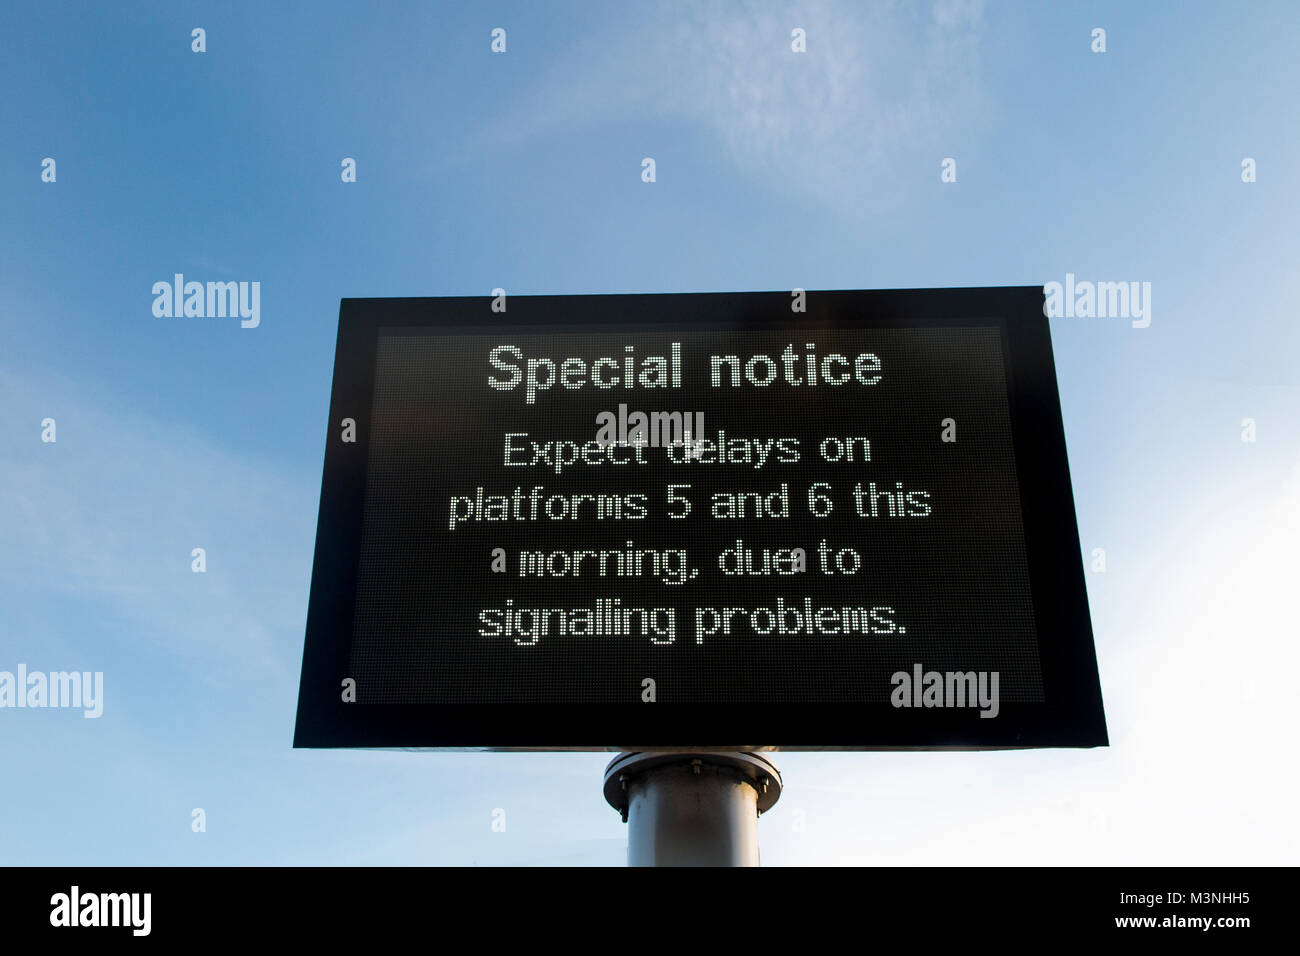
610	617
560	455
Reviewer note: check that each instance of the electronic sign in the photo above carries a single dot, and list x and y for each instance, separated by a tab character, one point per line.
821	520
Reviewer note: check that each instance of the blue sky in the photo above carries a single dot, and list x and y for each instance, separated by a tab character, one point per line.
522	170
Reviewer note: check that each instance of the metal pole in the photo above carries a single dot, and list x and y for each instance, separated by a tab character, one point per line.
692	809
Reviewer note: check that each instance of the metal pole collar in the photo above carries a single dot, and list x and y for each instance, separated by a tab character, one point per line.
754	768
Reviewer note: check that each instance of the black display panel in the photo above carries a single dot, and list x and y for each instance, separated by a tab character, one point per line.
832	520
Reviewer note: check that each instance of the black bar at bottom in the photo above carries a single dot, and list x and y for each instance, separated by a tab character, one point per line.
375	905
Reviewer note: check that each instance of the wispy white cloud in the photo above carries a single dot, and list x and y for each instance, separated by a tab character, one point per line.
876	82
109	513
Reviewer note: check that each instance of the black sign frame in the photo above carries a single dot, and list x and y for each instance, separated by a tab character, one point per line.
1070	716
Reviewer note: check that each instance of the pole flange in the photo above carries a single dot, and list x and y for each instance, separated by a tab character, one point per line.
753	767
692	808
